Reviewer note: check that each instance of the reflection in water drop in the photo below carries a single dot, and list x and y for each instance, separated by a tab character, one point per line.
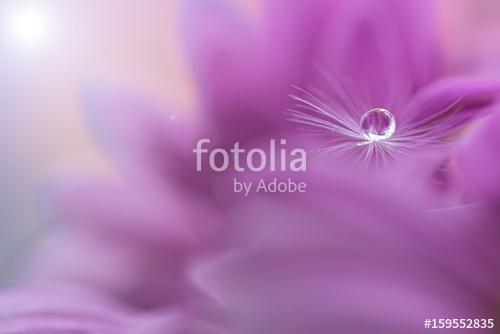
377	124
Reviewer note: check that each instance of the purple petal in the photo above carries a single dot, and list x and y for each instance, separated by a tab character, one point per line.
338	260
132	242
479	161
295	27
140	277
49	311
140	213
140	135
386	48
240	89
452	100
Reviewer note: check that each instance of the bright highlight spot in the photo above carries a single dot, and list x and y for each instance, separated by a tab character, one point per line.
29	26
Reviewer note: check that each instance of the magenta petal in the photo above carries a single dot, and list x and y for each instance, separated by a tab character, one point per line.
138	275
178	321
293	30
243	81
386	48
145	140
49	311
140	214
452	100
227	65
295	27
131	242
479	161
340	261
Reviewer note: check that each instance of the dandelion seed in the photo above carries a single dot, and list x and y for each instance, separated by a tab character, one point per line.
371	136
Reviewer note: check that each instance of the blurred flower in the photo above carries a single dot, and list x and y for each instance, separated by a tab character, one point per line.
321	266
346	256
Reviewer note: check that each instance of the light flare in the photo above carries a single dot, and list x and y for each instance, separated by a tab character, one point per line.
29	26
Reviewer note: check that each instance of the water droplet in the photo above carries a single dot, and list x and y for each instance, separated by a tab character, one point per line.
377	124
